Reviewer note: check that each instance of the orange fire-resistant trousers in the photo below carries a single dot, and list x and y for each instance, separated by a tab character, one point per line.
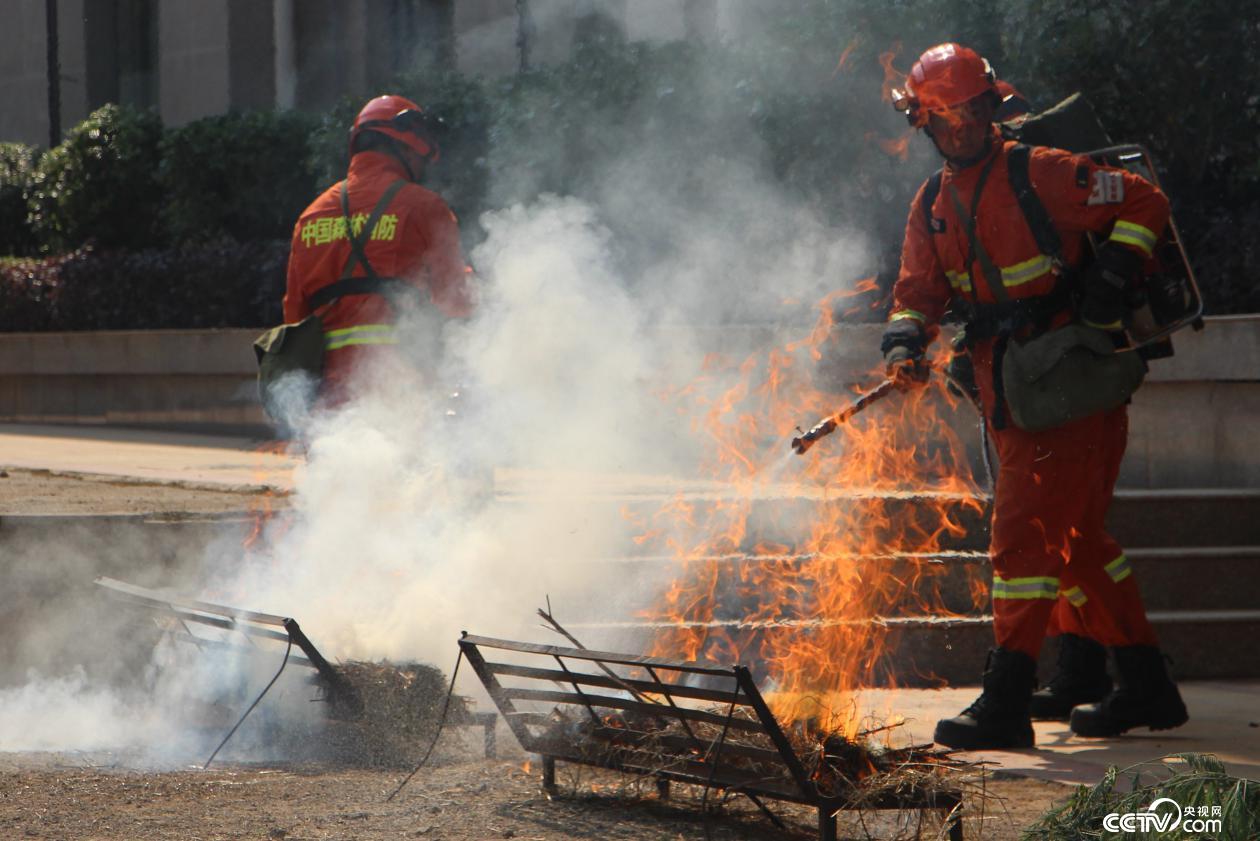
1055	568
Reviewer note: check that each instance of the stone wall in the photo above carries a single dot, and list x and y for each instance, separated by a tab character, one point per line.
1196	422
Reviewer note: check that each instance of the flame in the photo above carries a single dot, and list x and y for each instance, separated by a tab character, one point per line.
844	58
798	578
525	766
897	148
262	507
893	78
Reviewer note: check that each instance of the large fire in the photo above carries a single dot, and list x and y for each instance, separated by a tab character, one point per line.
799	565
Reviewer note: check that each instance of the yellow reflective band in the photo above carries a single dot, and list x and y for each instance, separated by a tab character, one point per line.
1041	587
1119	569
959	280
363	334
1075	596
1131	233
1115	325
1021	273
900	314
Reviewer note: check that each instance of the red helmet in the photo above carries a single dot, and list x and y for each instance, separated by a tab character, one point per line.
944	77
401	119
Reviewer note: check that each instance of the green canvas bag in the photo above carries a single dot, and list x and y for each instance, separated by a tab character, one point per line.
1067	374
289	351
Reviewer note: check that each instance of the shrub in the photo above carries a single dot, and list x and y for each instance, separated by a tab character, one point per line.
216	284
220	283
100	184
17	166
28	292
246	175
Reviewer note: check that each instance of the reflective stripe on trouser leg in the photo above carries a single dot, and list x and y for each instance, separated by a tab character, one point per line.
1119	569
1021	611
1112	612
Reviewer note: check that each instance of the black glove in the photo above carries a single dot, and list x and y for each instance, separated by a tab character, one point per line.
960	373
1104	283
903	346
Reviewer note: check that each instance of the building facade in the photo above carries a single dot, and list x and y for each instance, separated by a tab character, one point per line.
194	58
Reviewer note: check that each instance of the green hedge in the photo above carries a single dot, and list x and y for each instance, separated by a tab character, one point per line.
780	105
208	284
100	184
17	170
247	176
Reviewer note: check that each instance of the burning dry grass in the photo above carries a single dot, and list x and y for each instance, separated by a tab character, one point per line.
895	482
402	711
858	772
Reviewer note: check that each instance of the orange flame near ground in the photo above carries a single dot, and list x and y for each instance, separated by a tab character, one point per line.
798	576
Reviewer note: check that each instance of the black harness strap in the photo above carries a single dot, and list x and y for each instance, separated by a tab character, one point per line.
1039	222
931	189
371	283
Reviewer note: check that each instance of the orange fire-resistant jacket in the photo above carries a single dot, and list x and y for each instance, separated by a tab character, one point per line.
1079	197
416	240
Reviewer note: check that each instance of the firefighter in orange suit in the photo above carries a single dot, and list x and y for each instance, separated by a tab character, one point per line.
1053	487
411	246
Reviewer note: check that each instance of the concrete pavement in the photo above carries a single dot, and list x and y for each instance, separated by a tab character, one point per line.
1225	715
149	455
1224	720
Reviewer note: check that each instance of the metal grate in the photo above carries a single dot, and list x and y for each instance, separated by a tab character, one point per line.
649	722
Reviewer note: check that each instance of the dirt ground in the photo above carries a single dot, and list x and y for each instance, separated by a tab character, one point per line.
44	492
70	799
83	797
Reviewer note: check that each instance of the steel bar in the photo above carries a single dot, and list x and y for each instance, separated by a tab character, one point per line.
669	756
608	657
772	729
515	721
654	710
697	693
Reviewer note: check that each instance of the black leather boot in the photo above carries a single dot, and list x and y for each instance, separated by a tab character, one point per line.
1145	697
1081	679
999	717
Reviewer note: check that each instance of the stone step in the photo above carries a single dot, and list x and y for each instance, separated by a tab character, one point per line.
1186	517
1138	518
951	583
931	651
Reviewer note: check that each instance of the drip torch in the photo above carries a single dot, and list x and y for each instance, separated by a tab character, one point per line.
828	425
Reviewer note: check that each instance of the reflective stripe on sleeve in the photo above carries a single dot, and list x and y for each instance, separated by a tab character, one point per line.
1118	569
959	280
363	334
900	314
1021	273
1040	587
1131	233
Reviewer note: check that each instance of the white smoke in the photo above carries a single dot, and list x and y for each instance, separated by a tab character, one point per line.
417	516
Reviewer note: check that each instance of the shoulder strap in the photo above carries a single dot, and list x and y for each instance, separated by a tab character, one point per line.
358	239
931	189
371	283
975	249
1043	230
